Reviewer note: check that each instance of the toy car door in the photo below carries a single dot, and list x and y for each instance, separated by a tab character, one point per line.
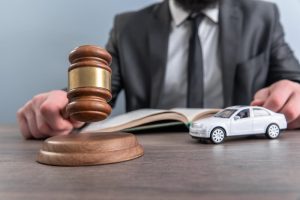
241	123
261	119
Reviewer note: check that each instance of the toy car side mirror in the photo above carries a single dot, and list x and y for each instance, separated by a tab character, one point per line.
237	117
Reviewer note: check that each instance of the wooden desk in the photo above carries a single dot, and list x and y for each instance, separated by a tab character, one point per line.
174	167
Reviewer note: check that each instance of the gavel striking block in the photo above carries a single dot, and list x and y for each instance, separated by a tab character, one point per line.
89	91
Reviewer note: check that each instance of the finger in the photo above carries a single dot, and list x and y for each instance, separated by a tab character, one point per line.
260	97
291	109
277	98
54	119
42	126
77	124
23	124
45	129
50	110
55	133
294	124
257	102
31	120
262	94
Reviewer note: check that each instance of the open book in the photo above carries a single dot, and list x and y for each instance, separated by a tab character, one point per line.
149	119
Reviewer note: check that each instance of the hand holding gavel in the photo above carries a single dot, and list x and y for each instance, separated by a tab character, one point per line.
86	100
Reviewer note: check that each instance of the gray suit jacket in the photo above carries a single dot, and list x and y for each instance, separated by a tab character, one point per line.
254	53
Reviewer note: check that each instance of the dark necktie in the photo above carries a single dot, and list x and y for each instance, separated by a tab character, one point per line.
195	66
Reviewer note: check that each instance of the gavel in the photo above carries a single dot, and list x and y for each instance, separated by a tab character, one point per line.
89	87
89	91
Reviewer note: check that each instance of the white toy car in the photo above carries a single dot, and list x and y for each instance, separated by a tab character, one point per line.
239	120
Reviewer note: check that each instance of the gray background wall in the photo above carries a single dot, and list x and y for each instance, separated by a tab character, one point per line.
36	37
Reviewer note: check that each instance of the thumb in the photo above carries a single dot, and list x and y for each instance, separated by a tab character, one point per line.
260	97
76	124
51	110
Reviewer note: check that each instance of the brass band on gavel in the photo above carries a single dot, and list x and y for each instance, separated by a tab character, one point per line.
89	76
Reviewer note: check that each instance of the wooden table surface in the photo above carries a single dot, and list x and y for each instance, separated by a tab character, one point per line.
174	167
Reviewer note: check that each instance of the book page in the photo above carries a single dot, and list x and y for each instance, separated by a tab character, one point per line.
193	114
122	119
145	116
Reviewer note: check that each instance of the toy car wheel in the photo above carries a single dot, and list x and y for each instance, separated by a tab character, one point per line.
273	131
217	135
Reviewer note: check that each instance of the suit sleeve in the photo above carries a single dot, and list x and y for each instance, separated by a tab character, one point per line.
113	49
283	63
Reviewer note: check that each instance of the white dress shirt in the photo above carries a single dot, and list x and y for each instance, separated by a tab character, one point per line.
174	93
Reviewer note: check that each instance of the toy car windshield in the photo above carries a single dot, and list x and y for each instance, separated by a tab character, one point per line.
227	113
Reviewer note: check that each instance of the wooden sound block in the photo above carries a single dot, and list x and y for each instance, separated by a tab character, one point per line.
89	149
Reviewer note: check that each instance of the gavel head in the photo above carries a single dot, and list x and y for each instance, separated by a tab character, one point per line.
89	87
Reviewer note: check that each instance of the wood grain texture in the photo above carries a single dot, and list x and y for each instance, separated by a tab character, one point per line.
89	149
174	167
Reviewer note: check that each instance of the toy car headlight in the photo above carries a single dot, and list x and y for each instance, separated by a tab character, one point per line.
199	126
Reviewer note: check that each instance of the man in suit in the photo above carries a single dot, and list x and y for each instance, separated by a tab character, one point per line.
190	53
